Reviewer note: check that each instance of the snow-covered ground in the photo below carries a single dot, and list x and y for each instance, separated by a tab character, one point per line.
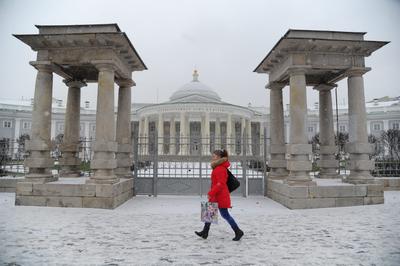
159	231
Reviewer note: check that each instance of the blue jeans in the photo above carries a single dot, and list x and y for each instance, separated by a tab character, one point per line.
225	214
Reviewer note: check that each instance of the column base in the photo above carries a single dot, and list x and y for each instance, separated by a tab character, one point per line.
278	173
307	183
70	173
123	172
332	175
102	180
40	178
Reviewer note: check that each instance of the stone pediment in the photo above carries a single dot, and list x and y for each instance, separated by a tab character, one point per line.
195	98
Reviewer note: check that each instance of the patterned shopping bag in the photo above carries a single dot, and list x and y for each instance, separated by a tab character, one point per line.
209	212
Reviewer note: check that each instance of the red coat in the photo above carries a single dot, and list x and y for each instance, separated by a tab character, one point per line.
219	190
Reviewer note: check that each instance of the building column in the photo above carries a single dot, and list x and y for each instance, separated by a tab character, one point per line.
182	135
249	149
262	141
39	161
160	132
218	133
172	135
146	136
123	133
17	134
327	163
141	139
229	135
299	150
205	133
243	134
278	161
70	162
358	146
105	146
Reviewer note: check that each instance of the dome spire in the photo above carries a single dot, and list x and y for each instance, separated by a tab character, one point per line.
195	76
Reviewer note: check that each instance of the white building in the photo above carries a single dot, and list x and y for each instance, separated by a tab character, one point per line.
195	112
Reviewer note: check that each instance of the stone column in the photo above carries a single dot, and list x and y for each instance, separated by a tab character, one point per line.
140	136
249	136
172	134
123	133
183	141
160	132
17	134
229	135
327	163
39	146
243	133
206	134
262	140
299	163
358	146
277	135
218	133
105	146
70	162
202	133
145	139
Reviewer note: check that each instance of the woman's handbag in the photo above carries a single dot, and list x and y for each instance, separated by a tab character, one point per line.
209	212
232	182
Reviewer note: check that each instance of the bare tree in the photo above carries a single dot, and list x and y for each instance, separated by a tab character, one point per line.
390	139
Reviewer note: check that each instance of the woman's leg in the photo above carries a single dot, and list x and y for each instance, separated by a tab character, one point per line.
204	233
238	233
225	214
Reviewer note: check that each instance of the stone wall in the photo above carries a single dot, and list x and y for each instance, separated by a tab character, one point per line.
59	194
324	196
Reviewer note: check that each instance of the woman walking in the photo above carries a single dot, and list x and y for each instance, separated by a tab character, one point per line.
219	193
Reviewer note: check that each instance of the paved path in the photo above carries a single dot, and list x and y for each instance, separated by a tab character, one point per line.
159	231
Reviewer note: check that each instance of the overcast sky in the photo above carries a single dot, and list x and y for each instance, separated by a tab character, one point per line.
225	40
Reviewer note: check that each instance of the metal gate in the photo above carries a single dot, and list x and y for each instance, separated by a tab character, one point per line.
181	166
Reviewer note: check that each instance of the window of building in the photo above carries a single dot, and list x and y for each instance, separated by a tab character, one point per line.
310	129
7	124
377	127
395	125
342	128
93	127
61	127
27	125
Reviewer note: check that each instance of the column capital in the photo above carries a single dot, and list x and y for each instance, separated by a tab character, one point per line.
325	86
356	71
274	85
104	65
45	66
125	82
74	83
293	71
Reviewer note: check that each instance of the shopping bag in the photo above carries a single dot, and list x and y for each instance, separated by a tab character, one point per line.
209	212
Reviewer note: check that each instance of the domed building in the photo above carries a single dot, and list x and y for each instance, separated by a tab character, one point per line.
196	121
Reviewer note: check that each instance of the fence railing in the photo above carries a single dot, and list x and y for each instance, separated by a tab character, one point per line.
175	157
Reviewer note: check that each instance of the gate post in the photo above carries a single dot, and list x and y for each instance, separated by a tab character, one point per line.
155	163
200	167
135	159
264	163
245	182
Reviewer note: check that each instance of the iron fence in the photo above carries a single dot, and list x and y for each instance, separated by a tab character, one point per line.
182	165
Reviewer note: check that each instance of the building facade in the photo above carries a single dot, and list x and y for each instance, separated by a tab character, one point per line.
195	112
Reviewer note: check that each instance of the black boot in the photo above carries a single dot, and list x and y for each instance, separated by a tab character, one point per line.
238	234
204	233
